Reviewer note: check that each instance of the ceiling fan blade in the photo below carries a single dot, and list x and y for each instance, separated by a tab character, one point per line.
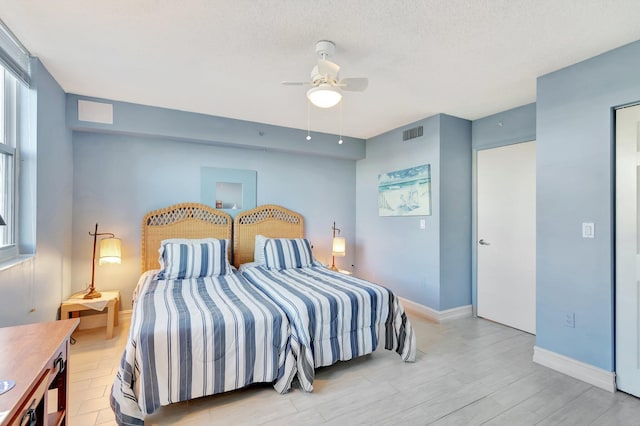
295	83
357	84
328	68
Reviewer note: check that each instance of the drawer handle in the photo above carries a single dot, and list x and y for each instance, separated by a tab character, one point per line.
59	363
30	418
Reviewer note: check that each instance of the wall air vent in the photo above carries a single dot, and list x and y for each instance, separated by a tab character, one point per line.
412	133
95	112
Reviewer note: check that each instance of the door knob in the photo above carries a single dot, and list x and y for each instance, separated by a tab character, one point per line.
483	243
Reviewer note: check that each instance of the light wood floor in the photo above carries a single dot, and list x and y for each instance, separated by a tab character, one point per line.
467	372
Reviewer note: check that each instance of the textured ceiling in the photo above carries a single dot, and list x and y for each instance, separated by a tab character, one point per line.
467	58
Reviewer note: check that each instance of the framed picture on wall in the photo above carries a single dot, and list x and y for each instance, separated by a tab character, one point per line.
405	192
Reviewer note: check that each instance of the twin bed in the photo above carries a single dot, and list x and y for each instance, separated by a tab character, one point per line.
201	327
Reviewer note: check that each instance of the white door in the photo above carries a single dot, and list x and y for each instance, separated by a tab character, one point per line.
506	243
627	250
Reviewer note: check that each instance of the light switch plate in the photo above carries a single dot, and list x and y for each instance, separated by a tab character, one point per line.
588	230
423	224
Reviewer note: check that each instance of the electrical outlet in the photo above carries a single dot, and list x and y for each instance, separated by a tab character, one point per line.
570	320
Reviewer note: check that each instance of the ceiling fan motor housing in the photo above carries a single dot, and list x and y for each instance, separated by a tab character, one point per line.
319	78
325	49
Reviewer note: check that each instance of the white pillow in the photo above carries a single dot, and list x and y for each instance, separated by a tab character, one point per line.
258	250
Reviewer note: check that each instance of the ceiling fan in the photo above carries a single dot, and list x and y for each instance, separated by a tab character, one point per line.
327	85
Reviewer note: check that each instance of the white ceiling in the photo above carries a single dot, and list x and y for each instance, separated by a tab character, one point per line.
467	58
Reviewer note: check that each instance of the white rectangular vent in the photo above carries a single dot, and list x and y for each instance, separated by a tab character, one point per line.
95	112
412	133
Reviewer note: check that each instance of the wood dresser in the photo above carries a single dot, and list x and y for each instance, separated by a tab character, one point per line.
35	357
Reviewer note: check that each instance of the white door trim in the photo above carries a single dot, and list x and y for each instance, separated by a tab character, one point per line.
627	249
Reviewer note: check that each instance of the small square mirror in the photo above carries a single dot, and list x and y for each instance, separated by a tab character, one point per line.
228	195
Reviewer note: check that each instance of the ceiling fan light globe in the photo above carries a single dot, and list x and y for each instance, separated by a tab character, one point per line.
324	96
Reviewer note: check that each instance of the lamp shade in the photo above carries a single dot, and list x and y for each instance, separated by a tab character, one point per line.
324	96
339	246
110	251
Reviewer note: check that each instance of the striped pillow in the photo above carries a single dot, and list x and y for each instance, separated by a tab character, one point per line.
284	253
182	259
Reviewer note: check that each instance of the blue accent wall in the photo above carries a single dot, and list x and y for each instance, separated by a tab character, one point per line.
393	251
455	212
54	199
119	177
575	169
431	266
505	128
162	123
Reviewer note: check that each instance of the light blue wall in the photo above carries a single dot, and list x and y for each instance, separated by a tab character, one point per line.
505	128
119	178
160	123
54	200
574	185
455	208
393	251
40	283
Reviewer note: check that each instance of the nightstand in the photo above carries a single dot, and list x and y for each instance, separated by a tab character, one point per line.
108	299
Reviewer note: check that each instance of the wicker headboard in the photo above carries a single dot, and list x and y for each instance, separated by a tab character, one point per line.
269	220
186	220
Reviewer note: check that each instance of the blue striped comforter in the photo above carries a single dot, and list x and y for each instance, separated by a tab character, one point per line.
197	337
334	316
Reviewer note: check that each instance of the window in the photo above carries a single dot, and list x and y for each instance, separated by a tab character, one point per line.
17	148
8	163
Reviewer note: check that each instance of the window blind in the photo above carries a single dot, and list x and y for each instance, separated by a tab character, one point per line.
13	55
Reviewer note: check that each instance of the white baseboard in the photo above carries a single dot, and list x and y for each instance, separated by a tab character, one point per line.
100	320
432	314
595	376
455	313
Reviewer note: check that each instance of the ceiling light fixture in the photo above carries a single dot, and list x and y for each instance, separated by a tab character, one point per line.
327	85
324	96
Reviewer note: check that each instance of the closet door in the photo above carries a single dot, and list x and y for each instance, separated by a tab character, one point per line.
627	250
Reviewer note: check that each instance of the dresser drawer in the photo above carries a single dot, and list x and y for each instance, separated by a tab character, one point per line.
35	356
32	407
58	362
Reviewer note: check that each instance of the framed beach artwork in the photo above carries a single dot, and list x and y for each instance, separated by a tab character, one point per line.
405	192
